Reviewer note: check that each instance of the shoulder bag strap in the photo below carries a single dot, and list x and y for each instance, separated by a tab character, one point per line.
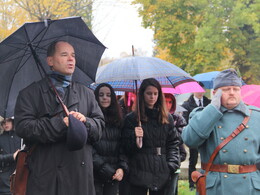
238	130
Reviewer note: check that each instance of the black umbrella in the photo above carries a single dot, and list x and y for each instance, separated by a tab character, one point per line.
23	56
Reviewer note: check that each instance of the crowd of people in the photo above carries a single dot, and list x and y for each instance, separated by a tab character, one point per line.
111	161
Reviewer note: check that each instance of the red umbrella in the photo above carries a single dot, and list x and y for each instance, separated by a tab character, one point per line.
251	94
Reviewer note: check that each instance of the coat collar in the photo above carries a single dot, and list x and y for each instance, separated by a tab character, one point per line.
241	107
72	98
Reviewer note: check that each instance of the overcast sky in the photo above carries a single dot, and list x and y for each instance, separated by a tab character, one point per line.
117	25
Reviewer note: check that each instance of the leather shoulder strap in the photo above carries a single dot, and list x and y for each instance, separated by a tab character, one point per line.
238	130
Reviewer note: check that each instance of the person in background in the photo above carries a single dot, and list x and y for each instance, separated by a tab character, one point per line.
234	169
127	102
10	144
40	120
179	123
110	164
197	99
151	165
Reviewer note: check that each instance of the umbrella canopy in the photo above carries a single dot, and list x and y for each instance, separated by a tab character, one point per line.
23	56
122	74
206	78
138	68
251	94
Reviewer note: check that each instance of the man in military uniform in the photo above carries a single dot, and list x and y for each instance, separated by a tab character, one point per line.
234	166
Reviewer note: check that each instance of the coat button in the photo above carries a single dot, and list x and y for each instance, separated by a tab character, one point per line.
225	163
82	164
246	138
244	176
224	151
225	176
219	127
222	138
247	126
245	150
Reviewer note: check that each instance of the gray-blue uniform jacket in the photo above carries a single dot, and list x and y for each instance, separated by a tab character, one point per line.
207	128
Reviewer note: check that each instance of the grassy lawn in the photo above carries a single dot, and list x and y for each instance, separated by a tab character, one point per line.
183	188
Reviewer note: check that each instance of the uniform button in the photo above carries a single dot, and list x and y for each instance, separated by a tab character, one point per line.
12	136
219	127
225	176
1	149
82	164
245	150
222	138
247	126
224	151
244	176
246	138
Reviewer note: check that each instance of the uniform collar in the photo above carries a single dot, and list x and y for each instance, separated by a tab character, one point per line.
241	107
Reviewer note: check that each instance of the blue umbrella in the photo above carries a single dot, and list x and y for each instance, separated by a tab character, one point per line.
206	78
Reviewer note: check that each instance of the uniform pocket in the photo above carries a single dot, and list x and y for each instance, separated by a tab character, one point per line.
256	182
211	180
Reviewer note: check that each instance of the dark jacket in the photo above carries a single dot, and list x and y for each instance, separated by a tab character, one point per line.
146	167
9	144
179	123
190	104
108	156
54	170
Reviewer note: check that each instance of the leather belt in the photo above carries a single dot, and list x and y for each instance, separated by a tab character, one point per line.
236	169
153	150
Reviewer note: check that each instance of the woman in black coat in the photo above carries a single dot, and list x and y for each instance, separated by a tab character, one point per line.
109	161
151	165
10	144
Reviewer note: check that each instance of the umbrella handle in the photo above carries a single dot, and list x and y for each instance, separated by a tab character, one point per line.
139	142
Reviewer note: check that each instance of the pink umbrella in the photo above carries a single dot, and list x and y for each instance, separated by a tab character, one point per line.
251	94
189	87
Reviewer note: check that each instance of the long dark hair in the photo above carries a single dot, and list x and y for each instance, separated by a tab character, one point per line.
113	113
160	103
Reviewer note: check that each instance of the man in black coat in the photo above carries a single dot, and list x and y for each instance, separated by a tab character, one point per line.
10	144
195	100
39	118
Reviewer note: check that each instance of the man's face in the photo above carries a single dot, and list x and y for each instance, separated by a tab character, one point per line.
7	125
63	60
199	95
231	96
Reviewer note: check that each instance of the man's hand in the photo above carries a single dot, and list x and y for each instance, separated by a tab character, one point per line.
77	115
216	100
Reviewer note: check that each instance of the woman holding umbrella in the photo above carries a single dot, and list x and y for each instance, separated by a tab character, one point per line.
151	165
108	159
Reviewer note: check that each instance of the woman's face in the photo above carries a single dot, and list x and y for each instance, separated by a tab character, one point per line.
168	103
150	96
104	97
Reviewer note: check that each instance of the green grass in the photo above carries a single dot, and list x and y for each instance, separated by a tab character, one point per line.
183	188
